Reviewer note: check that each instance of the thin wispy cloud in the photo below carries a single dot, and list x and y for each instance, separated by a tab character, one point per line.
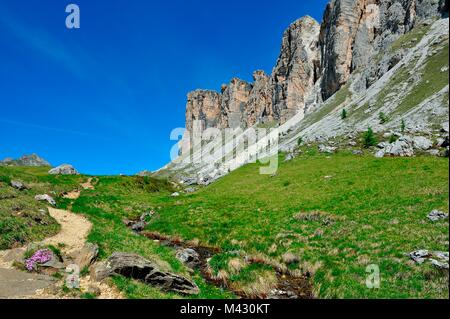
48	128
43	43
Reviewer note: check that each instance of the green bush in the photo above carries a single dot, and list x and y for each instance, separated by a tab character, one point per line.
383	118
344	114
5	179
403	126
392	139
369	138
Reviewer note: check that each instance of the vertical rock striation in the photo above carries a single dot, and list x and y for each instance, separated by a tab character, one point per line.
297	68
353	31
204	106
235	96
259	106
315	61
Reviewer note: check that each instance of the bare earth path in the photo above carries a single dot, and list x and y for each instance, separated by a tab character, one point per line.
74	230
72	237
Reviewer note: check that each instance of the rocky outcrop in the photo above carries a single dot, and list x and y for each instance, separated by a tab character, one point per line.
189	257
437	258
436	215
25	160
86	255
45	198
64	169
19	185
136	267
297	68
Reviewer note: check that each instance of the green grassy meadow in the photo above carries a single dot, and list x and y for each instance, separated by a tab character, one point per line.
338	213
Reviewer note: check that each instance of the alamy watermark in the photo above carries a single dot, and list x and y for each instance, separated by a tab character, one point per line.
373	279
229	148
73	19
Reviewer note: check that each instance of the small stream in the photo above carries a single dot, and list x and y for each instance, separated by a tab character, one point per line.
289	287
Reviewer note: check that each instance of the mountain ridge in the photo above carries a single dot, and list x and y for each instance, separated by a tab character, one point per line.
419	43
315	61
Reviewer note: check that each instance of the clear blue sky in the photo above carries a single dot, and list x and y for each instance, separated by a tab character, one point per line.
105	97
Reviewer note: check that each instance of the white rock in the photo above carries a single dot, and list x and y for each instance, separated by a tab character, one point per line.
422	143
436	215
46	198
64	169
327	149
380	154
433	152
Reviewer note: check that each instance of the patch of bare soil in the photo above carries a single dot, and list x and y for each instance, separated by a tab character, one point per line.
74	230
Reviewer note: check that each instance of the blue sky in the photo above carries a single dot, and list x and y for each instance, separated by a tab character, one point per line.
105	97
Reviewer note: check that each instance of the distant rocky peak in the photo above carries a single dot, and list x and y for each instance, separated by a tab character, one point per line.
26	160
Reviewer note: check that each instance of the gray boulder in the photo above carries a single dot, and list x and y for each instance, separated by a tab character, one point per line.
138	226
327	149
403	147
380	153
289	157
190	190
437	258
188	181
382	145
64	169
138	268
434	152
419	256
18	185
189	257
46	198
53	264
440	260
86	255
422	143
436	215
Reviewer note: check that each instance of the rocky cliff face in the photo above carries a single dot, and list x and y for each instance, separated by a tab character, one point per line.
259	107
235	96
297	68
203	106
315	61
240	104
354	31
